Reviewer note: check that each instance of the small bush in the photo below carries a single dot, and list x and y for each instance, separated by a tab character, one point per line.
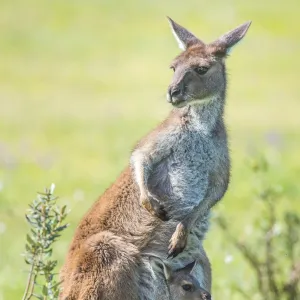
47	221
273	252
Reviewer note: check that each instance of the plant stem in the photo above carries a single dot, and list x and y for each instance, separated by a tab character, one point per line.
269	253
28	282
32	286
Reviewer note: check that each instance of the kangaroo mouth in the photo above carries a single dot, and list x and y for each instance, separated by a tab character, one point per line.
179	104
176	101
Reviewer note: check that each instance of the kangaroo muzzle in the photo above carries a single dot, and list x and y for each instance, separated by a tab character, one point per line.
175	96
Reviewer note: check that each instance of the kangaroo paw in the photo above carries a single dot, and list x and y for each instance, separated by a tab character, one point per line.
178	241
155	208
159	209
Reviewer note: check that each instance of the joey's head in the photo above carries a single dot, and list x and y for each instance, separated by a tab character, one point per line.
181	283
199	71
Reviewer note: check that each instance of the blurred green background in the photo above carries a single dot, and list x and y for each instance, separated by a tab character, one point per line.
82	81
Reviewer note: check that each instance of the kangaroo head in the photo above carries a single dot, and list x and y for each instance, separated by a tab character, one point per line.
199	71
182	284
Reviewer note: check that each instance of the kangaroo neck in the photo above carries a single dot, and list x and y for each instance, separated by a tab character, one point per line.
205	114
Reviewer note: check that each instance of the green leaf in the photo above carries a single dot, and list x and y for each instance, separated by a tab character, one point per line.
28	261
30	240
28	248
45	290
63	209
61	228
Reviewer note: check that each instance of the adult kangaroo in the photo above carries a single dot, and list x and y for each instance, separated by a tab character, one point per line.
177	172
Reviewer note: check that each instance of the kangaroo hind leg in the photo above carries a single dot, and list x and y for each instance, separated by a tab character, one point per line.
106	269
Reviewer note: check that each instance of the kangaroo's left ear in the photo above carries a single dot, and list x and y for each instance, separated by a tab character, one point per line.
225	43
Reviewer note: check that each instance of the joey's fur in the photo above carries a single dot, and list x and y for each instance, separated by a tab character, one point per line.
178	172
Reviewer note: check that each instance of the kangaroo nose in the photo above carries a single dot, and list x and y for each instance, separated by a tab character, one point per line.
175	95
175	92
206	296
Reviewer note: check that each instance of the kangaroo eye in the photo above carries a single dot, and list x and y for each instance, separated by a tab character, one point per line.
187	287
201	70
173	68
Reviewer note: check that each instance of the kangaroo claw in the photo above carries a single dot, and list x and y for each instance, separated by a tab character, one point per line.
178	241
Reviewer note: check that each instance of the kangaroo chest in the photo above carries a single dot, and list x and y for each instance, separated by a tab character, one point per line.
182	178
192	152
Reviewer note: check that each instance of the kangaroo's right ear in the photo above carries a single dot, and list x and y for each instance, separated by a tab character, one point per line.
183	37
190	267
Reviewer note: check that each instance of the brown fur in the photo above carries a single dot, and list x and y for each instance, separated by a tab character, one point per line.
114	230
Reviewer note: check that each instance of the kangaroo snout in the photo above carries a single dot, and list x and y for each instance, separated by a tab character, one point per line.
175	92
175	95
205	295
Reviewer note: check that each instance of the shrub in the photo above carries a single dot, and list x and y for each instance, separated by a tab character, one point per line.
47	221
273	252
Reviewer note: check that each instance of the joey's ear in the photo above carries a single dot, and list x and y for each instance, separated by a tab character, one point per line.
223	45
167	271
183	37
159	265
189	268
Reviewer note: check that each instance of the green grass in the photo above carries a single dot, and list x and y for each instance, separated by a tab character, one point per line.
82	81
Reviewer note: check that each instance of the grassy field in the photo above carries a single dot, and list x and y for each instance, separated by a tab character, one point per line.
82	81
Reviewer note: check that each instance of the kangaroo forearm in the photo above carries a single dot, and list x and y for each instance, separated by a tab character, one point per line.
198	212
142	167
143	159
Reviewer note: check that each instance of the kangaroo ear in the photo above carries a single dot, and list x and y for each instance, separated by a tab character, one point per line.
183	37
190	267
158	264
167	271
225	43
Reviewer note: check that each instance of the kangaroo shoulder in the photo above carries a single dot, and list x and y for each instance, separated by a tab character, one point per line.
164	133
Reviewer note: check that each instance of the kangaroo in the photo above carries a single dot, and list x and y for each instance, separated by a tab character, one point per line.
182	167
178	172
179	284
